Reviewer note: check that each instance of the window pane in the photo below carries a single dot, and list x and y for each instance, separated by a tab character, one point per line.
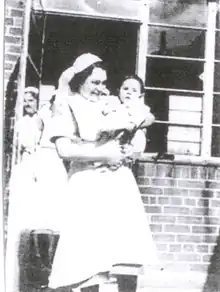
192	13
216	141
175	74
218	19
217	46
177	129
217	77
216	129
127	9
216	110
176	42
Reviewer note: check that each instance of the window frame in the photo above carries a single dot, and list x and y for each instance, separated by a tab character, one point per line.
213	6
142	54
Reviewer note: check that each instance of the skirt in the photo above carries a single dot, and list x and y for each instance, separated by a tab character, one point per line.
104	225
37	186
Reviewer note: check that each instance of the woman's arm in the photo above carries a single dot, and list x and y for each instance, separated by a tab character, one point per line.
107	153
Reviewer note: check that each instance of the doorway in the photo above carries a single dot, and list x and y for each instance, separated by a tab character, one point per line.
68	37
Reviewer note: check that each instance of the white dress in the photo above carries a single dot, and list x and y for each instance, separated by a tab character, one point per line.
104	222
35	199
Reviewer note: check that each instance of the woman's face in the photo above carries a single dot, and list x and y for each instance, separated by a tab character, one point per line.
130	90
30	103
95	84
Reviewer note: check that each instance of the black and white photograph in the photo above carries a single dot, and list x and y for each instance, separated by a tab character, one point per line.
111	146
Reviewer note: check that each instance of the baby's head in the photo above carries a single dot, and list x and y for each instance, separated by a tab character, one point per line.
132	89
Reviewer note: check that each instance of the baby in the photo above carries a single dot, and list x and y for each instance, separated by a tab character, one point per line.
127	115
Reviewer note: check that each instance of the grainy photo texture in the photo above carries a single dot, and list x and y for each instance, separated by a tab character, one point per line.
112	145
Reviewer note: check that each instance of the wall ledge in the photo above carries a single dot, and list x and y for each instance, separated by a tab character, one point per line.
180	160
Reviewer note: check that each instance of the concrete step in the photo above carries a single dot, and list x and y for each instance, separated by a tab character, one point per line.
164	281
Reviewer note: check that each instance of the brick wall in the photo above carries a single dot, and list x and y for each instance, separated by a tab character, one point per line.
14	11
182	203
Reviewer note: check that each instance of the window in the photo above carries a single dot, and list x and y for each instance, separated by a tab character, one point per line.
182	77
178	55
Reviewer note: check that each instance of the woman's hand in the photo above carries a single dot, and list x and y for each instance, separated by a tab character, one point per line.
116	153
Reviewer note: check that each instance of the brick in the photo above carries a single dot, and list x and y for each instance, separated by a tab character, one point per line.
211	248
151	190
149	200
164	182
203	202
18	21
190	202
164	237
143	181
209	238
194	172
186	173
163	219
10	57
176	210
202	248
12	39
175	247
207	193
198	211
175	171
206	258
175	201
156	227
146	169
163	200
199	267
15	3
198	193
189	247
198	172
177	228
162	247
218	173
211	173
15	31
17	12
166	257
190	219
190	238
191	184
13	49
215	203
153	209
217	194
214	220
214	185
163	170
175	191
188	257
9	21
8	66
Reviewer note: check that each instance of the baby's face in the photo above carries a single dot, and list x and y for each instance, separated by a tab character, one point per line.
130	90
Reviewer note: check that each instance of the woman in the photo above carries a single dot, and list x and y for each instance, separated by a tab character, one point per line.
104	228
28	132
35	184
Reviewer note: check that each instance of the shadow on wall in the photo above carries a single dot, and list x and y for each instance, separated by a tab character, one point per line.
9	112
212	283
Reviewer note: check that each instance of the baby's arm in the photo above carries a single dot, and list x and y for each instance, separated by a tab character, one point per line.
141	115
139	141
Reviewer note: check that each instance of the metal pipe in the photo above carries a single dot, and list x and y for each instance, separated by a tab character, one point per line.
208	84
174	58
